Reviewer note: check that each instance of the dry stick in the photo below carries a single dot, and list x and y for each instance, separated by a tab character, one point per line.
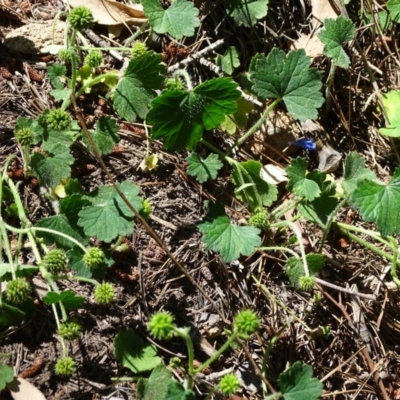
364	351
157	239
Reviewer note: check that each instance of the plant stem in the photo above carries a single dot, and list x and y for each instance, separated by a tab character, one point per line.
95	81
255	127
185	76
393	269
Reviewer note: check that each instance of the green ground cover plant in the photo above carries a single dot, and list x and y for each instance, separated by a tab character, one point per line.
182	114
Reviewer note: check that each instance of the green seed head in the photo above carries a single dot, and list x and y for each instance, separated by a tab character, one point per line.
24	136
69	330
259	220
56	261
229	384
306	283
162	325
94	258
58	120
147	209
65	55
94	59
104	293
81	18
138	49
18	291
246	323
65	367
174	84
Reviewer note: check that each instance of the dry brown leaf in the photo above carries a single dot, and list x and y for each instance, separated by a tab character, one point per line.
21	389
113	14
321	9
311	44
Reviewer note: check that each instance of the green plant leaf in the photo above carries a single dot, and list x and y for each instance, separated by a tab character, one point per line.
51	169
203	170
250	187
156	387
108	216
229	61
105	136
230	240
391	102
54	73
179	117
336	32
134	353
239	118
289	78
137	88
394	8
380	203
354	172
6	375
295	269
297	383
11	315
70	299
66	222
176	391
247	12
179	20
61	94
301	183
31	123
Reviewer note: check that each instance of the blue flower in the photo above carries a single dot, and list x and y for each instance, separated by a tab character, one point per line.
305	144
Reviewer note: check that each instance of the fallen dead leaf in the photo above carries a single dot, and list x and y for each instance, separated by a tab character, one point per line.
311	44
321	10
21	389
113	14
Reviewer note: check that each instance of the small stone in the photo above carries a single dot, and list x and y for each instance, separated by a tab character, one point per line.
31	38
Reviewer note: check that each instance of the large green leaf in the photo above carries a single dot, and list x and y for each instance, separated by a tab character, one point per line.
247	12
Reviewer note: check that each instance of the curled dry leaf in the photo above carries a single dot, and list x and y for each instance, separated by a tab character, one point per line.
113	14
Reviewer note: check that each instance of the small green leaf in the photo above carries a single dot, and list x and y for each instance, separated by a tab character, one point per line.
108	216
391	102
203	170
354	172
179	20
336	32
229	61
54	73
394	8
179	117
105	136
156	387
10	315
250	187
319	210
32	124
176	391
297	383
295	268
229	240
134	353
6	375
301	183
70	300
380	203
51	169
137	88
247	12
289	78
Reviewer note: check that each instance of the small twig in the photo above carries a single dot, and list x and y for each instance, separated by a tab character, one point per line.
344	290
102	43
195	56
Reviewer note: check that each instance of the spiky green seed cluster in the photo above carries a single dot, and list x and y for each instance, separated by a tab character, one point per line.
55	261
69	330
94	59
65	55
94	258
18	291
104	293
174	84
246	323
306	283
147	209
139	49
24	136
162	325
229	384
259	220
81	18
58	120
65	367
